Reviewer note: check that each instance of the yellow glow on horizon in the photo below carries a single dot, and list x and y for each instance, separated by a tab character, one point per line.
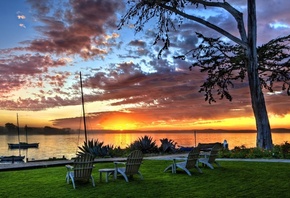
119	123
234	123
242	123
128	121
121	126
279	121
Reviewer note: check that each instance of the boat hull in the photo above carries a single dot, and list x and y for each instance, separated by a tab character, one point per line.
11	158
22	145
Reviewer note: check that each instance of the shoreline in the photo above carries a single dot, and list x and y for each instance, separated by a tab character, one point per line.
275	130
55	163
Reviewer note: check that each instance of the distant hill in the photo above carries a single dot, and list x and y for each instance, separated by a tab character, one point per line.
36	130
62	131
277	130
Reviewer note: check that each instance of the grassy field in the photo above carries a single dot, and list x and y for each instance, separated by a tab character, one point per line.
233	179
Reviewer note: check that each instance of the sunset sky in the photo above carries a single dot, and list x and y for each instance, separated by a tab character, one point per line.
44	45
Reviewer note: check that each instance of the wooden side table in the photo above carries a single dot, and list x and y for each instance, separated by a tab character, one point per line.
108	171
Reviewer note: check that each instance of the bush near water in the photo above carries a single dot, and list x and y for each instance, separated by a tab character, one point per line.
148	146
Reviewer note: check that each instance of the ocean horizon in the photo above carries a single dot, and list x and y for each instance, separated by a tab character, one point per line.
52	145
63	131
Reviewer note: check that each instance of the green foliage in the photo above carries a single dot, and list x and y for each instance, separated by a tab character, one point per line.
239	152
285	148
147	145
232	179
259	153
167	146
225	63
274	61
117	152
144	144
224	153
278	152
95	148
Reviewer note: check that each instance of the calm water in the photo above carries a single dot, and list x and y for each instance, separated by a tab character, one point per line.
66	145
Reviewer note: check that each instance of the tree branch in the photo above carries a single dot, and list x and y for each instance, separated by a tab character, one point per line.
234	12
206	23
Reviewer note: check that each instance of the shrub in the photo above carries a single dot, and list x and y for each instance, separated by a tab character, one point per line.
144	144
285	148
117	152
239	152
224	153
167	146
279	152
259	153
147	145
95	148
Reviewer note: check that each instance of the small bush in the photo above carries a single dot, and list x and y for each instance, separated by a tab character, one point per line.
147	145
117	152
144	144
285	148
95	148
279	152
259	153
225	153
167	146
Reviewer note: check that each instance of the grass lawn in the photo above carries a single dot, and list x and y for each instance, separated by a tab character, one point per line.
233	179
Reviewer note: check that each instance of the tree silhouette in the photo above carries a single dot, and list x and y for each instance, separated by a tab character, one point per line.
246	58
11	127
225	63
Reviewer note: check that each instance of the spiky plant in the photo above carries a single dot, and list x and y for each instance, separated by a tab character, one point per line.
145	144
167	146
94	148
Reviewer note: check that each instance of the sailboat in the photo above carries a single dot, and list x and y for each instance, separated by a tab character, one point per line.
13	158
22	145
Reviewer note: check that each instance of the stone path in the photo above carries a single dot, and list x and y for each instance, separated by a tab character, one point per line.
48	163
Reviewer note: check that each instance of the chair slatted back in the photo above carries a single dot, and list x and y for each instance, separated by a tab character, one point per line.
83	166
214	153
192	158
133	162
208	146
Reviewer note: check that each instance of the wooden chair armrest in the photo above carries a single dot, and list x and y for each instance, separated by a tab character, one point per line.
69	167
180	158
116	164
119	162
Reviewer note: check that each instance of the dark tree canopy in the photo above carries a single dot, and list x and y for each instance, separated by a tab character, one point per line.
225	63
168	12
11	127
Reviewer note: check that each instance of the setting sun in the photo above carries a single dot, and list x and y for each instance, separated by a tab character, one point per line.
121	126
119	122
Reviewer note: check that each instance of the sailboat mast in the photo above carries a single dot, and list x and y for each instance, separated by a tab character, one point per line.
18	134
26	133
83	105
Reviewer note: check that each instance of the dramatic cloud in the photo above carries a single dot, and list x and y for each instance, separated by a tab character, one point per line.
120	69
81	28
20	15
22	25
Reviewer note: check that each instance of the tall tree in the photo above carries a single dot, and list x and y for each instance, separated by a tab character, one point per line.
165	10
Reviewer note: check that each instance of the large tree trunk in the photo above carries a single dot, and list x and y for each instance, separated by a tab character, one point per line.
264	137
